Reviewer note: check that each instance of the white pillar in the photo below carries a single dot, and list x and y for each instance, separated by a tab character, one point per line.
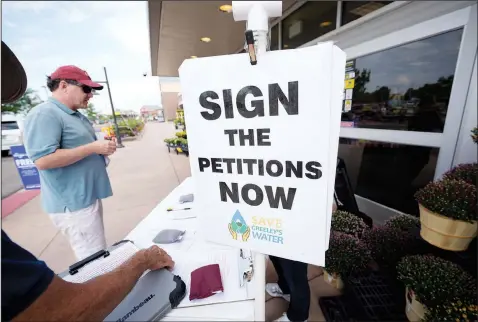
257	14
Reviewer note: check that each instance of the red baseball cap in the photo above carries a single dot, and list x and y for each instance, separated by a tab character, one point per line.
75	73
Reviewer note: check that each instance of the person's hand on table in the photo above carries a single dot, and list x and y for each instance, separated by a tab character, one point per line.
157	258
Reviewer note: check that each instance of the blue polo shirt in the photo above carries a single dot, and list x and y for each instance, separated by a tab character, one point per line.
51	126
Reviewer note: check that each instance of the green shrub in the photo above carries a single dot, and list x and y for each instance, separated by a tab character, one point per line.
454	199
181	141
181	134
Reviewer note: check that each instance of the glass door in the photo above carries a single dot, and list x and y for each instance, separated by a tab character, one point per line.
403	109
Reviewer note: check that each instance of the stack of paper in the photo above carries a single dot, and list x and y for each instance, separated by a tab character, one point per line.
263	147
104	265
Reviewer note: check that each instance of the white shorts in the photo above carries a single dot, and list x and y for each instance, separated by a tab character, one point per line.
83	228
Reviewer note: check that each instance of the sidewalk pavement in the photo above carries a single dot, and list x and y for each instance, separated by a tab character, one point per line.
142	174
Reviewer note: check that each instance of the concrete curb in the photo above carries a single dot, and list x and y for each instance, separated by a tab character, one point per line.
17	200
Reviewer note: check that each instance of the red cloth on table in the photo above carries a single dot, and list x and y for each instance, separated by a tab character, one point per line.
205	282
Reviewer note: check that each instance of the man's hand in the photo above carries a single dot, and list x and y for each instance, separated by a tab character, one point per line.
157	258
104	147
95	299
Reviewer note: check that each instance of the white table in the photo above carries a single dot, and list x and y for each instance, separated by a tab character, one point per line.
143	234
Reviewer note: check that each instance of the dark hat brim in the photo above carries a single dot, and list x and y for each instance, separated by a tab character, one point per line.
14	79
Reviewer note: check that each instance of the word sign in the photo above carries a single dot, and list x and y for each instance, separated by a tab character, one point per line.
26	168
259	139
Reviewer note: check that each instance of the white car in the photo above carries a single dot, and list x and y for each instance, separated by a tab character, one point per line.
12	132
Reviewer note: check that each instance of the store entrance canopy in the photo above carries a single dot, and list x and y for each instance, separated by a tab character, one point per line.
177	27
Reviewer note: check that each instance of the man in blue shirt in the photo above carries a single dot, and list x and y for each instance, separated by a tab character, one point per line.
71	161
30	290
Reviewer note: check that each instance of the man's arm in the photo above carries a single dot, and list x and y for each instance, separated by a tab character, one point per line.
64	157
95	299
43	139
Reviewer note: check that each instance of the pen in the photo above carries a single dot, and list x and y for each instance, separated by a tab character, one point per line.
171	209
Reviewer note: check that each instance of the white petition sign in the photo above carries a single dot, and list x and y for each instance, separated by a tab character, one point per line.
263	147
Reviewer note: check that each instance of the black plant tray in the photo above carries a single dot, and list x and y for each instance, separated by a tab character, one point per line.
334	309
376	297
466	259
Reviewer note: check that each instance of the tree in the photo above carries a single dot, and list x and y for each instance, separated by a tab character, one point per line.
91	112
24	104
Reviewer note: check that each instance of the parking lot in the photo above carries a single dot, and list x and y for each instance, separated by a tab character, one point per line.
11	181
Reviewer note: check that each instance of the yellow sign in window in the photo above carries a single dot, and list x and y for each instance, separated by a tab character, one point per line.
349	83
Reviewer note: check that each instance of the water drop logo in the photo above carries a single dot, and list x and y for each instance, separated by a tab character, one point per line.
238	226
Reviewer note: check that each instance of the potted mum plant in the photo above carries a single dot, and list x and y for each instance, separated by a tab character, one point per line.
431	282
455	310
170	143
474	134
402	222
388	245
467	172
347	223
448	214
346	255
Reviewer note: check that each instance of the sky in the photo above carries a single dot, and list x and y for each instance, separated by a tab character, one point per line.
89	34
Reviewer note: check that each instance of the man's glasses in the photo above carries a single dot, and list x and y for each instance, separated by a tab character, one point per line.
86	89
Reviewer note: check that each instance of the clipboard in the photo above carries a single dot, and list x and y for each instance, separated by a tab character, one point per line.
155	294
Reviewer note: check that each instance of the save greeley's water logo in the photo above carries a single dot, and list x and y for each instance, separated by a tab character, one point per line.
238	227
263	229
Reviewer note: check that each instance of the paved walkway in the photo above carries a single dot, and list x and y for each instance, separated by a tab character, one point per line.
142	174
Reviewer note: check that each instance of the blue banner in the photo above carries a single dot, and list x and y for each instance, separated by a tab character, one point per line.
26	168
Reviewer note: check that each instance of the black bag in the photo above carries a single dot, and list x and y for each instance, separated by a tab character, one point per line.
344	195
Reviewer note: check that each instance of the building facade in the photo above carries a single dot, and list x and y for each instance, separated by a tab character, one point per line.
408	117
170	90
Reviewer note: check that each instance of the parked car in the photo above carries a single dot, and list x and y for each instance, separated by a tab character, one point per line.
12	132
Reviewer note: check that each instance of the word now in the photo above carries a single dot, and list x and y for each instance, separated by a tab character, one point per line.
208	100
274	197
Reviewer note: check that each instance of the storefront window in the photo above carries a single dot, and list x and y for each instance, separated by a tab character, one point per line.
403	88
352	10
275	37
312	20
388	173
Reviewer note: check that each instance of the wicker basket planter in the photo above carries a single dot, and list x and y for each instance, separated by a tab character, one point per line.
444	232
